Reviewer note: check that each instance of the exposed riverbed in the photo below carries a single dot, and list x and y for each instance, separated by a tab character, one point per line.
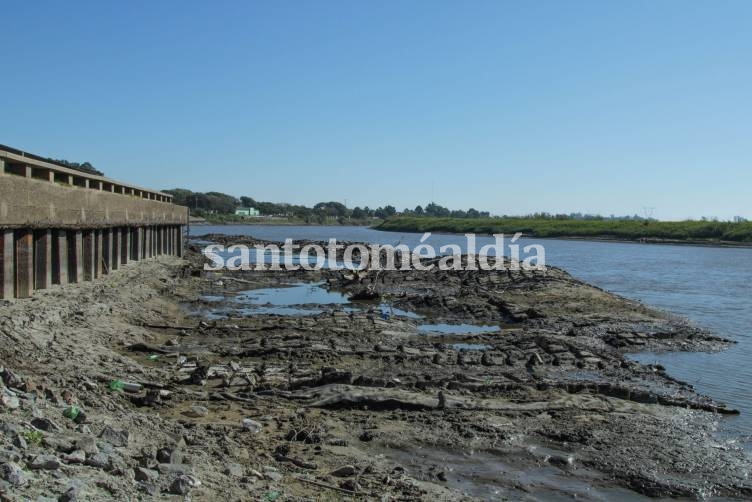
711	287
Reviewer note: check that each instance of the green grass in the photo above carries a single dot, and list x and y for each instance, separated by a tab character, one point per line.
690	231
33	437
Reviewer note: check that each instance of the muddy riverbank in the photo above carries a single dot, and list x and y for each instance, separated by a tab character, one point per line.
275	385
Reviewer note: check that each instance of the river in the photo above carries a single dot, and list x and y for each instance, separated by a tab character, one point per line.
711	286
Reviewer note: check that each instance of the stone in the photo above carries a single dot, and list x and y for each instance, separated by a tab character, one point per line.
350	484
20	442
251	425
169	456
344	471
561	462
71	495
88	444
175	469
11	379
146	475
9	456
197	412
183	484
272	474
148	452
45	424
13	474
234	470
150	489
117	438
60	444
76	457
45	462
9	429
9	401
100	461
83	429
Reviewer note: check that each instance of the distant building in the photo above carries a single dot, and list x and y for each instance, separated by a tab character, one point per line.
739	219
247	212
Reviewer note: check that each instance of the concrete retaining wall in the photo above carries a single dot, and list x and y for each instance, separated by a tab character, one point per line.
35	203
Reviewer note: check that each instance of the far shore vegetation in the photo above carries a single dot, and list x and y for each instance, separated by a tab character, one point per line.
589	227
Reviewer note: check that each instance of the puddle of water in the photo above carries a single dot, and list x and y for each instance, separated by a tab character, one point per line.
211	298
471	346
215	316
296	294
456	329
284	301
389	310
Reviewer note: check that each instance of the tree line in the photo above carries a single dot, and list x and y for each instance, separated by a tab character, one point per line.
217	203
85	167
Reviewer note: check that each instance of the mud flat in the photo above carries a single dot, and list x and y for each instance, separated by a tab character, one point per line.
446	386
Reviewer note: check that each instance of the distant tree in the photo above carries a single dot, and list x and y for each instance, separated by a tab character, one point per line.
218	202
84	166
270	208
385	212
336	209
180	196
247	201
434	209
221	202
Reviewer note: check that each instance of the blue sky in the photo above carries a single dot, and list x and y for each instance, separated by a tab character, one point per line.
510	107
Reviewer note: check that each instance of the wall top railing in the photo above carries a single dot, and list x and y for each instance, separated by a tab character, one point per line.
20	163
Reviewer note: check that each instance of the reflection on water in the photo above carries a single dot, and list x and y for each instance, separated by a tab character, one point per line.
388	310
211	298
288	301
295	294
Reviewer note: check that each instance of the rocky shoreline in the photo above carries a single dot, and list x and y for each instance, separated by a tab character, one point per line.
153	382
